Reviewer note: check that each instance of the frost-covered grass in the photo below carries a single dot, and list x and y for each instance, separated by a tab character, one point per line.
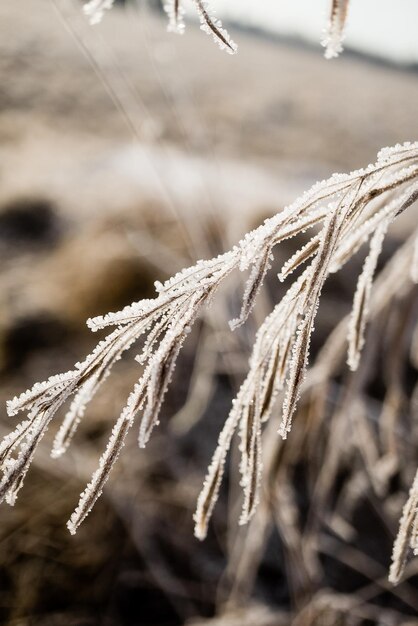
211	25
342	214
347	211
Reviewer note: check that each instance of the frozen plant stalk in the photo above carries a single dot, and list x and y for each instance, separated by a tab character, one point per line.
334	34
347	211
208	22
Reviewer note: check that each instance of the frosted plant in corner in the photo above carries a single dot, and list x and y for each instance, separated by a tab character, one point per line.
347	212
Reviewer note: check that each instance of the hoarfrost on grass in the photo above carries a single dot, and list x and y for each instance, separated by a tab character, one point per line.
349	210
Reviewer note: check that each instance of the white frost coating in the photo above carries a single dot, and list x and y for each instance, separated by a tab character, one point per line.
213	26
95	487
253	286
175	13
39	391
358	318
97	367
251	465
334	34
73	418
15	470
302	255
402	544
414	264
13	439
351	243
252	478
348	208
385	155
300	350
208	23
210	491
95	10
